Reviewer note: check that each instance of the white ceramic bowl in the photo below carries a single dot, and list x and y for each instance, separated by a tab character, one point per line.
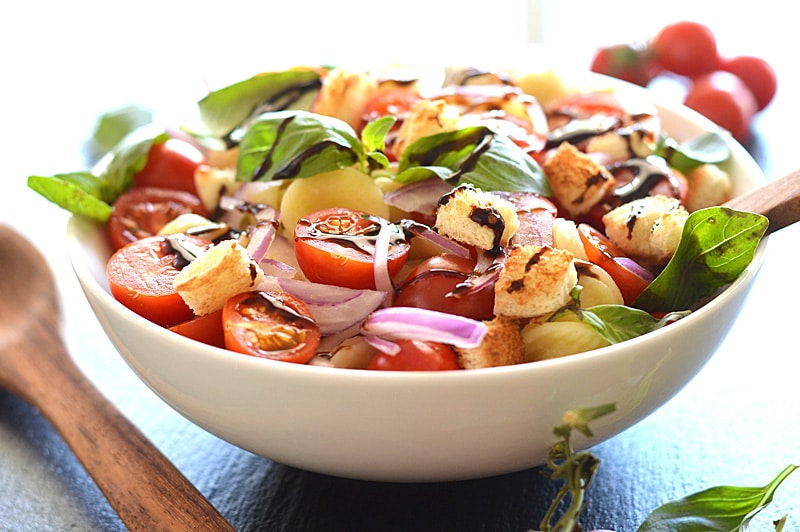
414	426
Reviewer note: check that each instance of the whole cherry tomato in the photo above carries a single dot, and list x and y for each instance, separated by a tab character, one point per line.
335	246
272	324
757	74
143	211
726	100
170	164
428	286
416	355
629	62
686	48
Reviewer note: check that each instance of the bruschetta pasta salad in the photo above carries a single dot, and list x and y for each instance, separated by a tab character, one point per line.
398	222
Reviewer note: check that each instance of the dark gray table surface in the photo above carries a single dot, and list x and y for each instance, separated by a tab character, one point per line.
737	422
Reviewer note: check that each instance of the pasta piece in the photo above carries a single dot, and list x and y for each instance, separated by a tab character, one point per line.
565	236
598	286
554	339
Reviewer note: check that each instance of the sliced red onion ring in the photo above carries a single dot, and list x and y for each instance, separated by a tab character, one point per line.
394	323
380	264
383	345
445	244
334	308
261	237
277	268
634	267
422	196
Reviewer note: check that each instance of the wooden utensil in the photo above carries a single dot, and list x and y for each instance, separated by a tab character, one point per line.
146	490
779	201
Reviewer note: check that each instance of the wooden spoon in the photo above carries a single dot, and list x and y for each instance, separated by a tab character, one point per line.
779	201
146	490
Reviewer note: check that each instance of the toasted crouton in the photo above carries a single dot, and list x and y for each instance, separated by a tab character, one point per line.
708	185
578	181
502	346
426	118
647	229
223	271
535	281
476	218
344	94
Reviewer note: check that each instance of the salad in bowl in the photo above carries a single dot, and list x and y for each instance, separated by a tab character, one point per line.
391	257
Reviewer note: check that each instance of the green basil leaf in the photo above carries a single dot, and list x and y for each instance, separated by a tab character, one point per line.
113	126
80	193
618	323
374	134
709	148
127	160
723	508
289	144
716	246
474	155
226	109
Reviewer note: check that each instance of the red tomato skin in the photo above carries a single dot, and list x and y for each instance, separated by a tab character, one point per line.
429	283
627	62
206	329
329	262
726	100
140	276
170	164
143	211
416	355
601	252
267	319
757	74
686	48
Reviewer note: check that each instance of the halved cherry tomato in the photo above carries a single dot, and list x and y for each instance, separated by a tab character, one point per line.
141	274
601	251
206	329
428	286
334	246
170	164
416	355
396	102
273	324
143	211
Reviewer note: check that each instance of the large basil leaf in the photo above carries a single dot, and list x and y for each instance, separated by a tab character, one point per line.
226	109
475	155
723	508
716	246
289	144
617	323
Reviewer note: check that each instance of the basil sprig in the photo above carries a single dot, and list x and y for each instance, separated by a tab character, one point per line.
721	508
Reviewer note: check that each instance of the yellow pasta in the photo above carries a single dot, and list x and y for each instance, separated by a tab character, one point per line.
554	339
565	236
598	286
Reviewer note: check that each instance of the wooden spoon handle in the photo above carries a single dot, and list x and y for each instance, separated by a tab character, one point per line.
779	201
141	484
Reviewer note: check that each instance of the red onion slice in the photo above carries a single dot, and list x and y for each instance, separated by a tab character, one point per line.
394	323
422	196
261	237
380	265
634	267
445	244
383	345
334	308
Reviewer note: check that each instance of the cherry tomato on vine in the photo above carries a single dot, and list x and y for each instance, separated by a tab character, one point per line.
601	251
143	211
416	355
170	164
273	324
724	99
336	246
628	62
757	74
686	48
428	286
140	276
